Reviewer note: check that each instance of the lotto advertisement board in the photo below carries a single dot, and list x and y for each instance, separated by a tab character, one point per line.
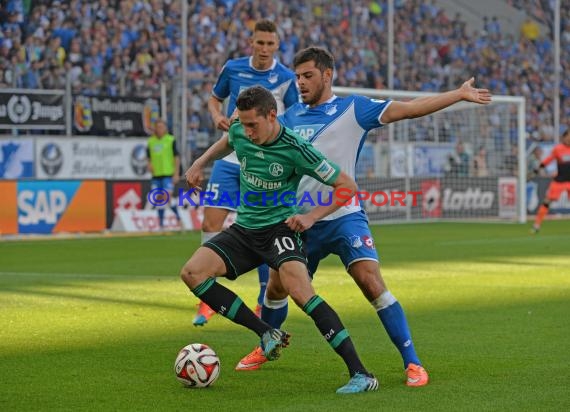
437	198
54	207
16	158
91	158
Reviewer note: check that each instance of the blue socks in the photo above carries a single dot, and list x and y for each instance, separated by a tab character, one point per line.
263	274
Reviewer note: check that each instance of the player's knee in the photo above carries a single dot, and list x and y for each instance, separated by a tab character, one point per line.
367	276
211	225
546	203
191	276
275	291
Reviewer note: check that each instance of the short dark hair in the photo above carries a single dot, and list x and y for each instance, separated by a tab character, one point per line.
258	98
265	25
323	58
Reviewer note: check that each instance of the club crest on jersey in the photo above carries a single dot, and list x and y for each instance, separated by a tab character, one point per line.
276	169
273	78
330	109
355	242
324	170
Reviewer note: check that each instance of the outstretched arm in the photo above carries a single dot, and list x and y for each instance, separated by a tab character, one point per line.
195	173
423	106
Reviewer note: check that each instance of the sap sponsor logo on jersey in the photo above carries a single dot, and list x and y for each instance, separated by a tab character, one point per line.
246	76
469	199
308	131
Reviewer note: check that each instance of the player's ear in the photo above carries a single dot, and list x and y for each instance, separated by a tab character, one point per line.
328	75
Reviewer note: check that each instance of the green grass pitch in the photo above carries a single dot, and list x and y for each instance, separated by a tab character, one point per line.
94	324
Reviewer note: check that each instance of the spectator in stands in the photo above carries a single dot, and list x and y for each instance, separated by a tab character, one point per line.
511	162
533	168
480	163
530	29
432	51
458	162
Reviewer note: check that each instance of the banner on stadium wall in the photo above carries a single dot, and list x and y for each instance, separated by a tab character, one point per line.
462	198
381	203
536	190
91	158
114	116
16	158
60	207
125	195
508	194
32	110
431	160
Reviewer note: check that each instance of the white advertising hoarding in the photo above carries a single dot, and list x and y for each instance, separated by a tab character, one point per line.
91	158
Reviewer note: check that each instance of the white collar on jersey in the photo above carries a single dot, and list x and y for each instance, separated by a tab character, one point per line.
333	98
270	68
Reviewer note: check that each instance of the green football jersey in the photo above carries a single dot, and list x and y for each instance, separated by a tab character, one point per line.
270	175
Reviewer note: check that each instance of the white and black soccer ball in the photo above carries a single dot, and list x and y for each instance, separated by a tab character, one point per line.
197	365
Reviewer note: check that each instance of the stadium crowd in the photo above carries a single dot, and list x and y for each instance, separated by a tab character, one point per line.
130	47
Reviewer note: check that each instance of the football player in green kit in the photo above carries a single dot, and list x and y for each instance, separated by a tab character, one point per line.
268	229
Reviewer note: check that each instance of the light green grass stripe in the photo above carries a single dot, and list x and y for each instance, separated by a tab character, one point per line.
312	304
339	337
203	287
234	308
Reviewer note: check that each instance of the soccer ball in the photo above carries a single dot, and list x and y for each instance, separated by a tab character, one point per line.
197	365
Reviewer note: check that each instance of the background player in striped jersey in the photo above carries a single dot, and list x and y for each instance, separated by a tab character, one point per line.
338	126
560	183
267	230
261	68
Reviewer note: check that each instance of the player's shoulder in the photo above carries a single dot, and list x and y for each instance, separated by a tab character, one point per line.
295	109
237	64
280	67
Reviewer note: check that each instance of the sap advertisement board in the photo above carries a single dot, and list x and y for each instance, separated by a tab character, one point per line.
433	198
16	158
52	207
91	158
